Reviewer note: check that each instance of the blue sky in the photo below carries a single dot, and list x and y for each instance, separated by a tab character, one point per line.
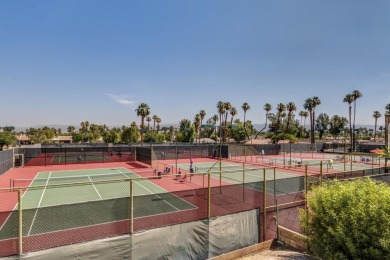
63	62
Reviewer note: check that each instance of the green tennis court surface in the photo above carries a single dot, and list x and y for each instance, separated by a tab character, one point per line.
252	177
74	158
71	206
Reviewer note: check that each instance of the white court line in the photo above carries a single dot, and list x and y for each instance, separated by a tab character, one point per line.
152	192
158	196
16	206
161	189
95	187
39	204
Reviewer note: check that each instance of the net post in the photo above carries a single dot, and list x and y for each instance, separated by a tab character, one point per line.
321	173
264	206
20	222
209	196
131	226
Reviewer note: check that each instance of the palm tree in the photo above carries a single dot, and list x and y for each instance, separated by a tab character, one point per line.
70	129
215	118
228	106
301	113
267	108
376	115
316	102
310	105
349	99
197	124
202	114
280	108
154	122
291	107
356	95
387	107
245	107
158	120
305	115
143	111
221	111
148	119
84	126
233	113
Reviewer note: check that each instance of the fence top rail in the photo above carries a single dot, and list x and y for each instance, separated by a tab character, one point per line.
360	177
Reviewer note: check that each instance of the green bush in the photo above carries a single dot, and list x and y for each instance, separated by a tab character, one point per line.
348	220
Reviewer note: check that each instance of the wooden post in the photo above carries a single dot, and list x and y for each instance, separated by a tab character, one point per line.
209	198
275	185
243	182
264	206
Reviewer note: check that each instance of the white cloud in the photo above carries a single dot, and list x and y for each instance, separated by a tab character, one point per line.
122	99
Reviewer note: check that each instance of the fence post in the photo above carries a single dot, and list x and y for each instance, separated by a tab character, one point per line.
277	220
275	185
306	208
131	207
264	206
20	222
306	185
209	197
321	173
243	182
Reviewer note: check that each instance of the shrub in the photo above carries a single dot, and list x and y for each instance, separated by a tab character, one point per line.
349	220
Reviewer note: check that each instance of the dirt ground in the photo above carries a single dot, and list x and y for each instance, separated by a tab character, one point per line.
278	254
278	251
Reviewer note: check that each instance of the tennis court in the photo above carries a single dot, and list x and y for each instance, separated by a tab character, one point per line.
278	181
79	196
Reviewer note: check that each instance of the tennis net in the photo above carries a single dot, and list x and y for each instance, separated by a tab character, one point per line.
216	168
14	183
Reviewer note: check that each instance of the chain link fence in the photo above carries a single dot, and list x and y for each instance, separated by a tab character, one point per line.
6	160
71	210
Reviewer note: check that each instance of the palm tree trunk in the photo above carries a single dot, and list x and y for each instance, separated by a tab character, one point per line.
288	124
350	125
354	115
376	119
142	128
312	127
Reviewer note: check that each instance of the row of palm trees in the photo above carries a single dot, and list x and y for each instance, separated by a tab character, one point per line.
224	109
